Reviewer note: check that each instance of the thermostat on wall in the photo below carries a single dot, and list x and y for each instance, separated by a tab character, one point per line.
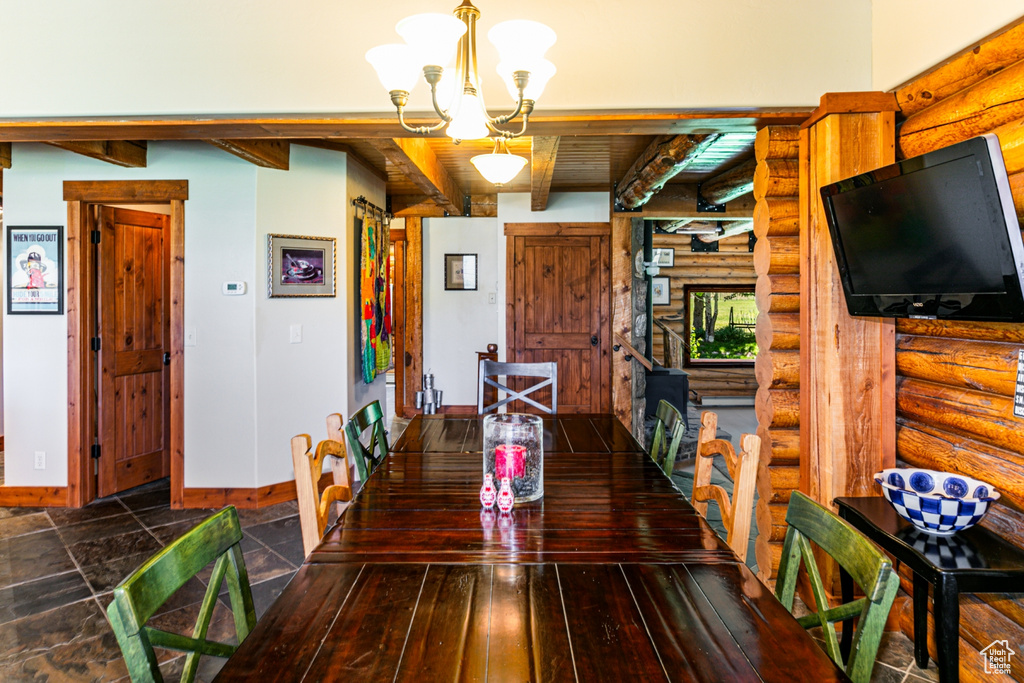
233	288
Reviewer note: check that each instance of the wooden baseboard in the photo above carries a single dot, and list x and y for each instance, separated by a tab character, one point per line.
1	442
458	410
247	499
33	496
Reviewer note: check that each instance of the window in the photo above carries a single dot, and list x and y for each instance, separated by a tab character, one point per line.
719	325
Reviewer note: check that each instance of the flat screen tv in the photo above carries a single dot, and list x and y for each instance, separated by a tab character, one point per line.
935	236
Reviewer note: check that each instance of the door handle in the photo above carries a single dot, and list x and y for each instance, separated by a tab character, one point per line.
167	357
593	340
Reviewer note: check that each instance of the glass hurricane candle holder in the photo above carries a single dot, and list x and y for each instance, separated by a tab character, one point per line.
514	448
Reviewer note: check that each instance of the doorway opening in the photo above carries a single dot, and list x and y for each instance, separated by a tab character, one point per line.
125	310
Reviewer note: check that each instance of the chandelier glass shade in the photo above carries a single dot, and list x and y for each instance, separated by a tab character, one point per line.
499	167
432	41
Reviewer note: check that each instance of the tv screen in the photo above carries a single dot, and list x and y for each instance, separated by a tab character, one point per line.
935	236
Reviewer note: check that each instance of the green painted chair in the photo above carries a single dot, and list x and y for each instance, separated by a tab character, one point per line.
668	433
369	417
869	568
140	595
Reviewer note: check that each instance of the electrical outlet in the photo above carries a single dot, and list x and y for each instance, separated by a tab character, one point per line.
190	336
40	460
296	334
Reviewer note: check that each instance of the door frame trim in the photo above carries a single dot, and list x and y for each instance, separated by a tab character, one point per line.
81	296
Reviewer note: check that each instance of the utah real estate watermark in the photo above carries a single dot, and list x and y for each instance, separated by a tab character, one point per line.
997	657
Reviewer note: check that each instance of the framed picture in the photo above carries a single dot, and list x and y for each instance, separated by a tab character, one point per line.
460	271
660	291
35	270
666	258
300	266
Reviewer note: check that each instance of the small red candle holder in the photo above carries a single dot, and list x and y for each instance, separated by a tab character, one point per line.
514	448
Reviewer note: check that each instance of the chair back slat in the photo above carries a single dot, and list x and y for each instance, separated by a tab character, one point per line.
489	369
140	595
367	457
869	568
669	428
737	510
314	506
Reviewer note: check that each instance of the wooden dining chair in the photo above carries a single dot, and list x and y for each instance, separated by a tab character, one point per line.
314	506
669	428
870	569
489	369
140	595
737	510
370	456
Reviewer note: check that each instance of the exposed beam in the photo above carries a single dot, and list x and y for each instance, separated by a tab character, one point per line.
265	153
731	184
543	151
730	230
257	126
406	205
338	146
417	162
126	153
660	162
5	155
680	201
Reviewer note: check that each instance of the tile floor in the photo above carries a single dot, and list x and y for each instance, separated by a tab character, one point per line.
57	568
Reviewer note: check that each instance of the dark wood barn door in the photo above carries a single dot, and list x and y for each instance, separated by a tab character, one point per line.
133	321
559	303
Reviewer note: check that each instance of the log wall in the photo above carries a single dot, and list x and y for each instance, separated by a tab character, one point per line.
733	264
955	381
777	368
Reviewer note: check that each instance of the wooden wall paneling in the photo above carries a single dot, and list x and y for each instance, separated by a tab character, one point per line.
413	338
177	379
79	305
847	382
971	65
985	105
622	280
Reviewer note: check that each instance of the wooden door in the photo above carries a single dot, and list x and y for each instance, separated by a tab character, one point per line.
559	302
133	320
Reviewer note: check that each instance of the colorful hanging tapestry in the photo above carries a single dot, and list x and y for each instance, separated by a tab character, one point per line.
374	294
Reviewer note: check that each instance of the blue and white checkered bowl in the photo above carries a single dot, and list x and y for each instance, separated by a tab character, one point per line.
939	503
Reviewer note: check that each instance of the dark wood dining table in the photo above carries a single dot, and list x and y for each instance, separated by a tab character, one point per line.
610	576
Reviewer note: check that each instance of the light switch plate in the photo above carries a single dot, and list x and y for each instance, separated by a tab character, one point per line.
295	336
492	298
190	336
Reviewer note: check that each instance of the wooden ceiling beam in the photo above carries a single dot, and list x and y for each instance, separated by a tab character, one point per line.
543	151
235	127
730	230
680	201
5	155
407	205
416	161
339	146
124	153
731	184
665	157
264	153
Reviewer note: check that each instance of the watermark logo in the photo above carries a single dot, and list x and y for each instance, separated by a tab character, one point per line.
997	657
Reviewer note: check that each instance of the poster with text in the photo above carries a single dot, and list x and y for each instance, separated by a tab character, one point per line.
35	269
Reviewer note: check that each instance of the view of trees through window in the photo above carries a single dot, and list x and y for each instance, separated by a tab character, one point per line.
720	324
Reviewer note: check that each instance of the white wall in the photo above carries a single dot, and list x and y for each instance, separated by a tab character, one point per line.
458	324
911	36
265	56
247	390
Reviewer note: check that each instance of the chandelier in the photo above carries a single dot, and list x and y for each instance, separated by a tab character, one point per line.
431	42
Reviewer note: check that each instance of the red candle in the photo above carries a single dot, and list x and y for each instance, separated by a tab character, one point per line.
509	460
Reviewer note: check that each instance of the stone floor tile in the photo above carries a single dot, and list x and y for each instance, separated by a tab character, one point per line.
33	556
42	595
284	530
161	516
87	661
250	518
111	548
36	633
99	509
20	525
99	529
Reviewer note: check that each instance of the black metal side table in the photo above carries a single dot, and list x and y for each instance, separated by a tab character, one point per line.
971	561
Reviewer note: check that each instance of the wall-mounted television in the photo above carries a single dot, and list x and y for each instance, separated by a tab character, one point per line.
935	236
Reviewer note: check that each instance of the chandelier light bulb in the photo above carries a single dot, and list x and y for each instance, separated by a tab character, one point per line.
469	122
395	65
433	37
